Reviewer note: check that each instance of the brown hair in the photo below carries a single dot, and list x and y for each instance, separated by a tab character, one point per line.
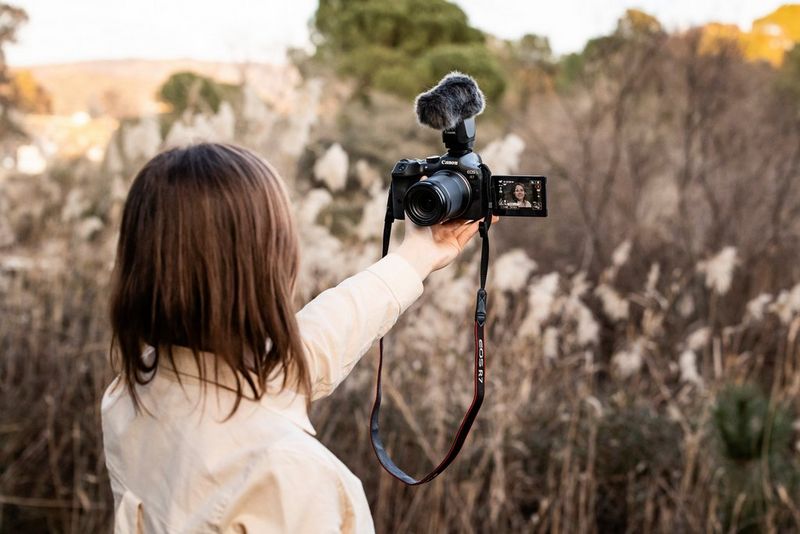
207	259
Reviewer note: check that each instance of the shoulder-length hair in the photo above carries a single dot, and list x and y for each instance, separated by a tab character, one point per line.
207	259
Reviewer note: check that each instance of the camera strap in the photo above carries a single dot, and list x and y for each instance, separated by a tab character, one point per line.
479	373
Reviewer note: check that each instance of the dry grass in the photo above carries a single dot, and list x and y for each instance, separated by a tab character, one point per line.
562	444
627	391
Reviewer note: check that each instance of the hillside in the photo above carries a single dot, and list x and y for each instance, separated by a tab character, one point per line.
123	88
126	88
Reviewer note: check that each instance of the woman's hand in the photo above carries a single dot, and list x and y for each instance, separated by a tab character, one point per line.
429	248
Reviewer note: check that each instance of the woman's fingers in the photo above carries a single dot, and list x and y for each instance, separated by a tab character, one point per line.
466	233
464	229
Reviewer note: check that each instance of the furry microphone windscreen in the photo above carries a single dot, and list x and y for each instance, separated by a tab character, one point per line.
456	98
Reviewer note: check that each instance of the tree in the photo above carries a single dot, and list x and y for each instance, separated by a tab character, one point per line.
531	67
11	17
192	92
29	95
402	46
636	24
600	92
788	81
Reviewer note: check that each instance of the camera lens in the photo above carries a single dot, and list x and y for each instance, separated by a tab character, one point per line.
443	196
425	204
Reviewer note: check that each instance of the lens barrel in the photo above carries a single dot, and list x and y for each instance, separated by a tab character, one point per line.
443	196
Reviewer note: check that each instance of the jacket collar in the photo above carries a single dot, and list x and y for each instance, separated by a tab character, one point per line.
285	402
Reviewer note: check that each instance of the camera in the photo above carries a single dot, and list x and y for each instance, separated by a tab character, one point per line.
458	184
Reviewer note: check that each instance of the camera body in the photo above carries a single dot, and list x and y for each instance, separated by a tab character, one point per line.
460	186
465	177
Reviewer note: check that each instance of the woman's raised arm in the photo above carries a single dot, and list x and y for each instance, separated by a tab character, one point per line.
343	322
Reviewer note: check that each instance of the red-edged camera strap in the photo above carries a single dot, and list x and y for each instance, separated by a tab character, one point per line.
479	370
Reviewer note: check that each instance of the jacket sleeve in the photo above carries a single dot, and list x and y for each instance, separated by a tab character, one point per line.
343	322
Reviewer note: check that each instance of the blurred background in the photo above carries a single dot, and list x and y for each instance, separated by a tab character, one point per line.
643	366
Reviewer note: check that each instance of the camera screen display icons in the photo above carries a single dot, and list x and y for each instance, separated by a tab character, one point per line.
520	196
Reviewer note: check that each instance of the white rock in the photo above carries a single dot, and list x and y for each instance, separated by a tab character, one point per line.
113	158
223	122
319	267
182	134
75	205
200	128
371	224
89	227
331	168
142	140
503	155
303	116
367	175
312	204
254	110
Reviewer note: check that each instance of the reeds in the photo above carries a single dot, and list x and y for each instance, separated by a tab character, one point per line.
652	388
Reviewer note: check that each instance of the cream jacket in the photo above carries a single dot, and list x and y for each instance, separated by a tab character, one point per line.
184	469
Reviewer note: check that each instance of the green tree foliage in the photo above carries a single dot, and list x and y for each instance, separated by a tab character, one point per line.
192	92
402	46
748	428
755	440
531	67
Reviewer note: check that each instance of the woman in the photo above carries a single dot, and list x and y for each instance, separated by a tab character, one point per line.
206	427
519	198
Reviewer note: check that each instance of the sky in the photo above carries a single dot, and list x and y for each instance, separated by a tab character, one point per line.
260	30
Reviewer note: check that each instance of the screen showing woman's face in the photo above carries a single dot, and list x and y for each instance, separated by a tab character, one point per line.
519	196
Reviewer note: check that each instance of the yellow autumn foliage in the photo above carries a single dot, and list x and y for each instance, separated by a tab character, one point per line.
768	40
28	94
